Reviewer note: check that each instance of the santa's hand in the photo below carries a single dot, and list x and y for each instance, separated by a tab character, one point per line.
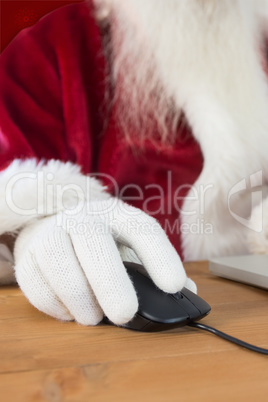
69	266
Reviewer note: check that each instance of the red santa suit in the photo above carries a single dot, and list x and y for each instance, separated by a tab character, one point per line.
51	95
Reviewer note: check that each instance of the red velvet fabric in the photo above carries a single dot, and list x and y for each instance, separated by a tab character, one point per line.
52	79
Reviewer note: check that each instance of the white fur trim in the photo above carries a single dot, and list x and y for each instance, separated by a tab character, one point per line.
223	90
30	190
231	160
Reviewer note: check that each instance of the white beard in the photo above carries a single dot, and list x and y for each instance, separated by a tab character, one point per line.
165	52
202	57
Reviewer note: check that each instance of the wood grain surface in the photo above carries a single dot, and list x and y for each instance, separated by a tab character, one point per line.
42	359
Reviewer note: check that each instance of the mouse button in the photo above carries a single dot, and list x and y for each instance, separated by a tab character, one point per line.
177	296
188	306
156	305
196	301
159	307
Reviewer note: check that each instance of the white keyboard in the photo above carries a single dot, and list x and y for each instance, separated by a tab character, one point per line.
249	269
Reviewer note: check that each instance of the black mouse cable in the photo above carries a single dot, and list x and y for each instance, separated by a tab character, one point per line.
228	337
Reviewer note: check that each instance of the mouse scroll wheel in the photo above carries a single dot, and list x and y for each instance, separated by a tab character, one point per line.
178	296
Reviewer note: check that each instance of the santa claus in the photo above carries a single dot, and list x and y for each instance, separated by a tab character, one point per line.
137	130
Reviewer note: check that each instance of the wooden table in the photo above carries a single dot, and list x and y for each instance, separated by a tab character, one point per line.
42	359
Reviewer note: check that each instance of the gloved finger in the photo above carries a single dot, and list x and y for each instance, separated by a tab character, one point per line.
101	262
145	236
65	276
190	284
37	289
127	254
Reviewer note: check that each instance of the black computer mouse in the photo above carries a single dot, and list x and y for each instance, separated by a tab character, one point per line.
160	311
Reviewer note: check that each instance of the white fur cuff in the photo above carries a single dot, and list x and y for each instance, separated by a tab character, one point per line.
30	190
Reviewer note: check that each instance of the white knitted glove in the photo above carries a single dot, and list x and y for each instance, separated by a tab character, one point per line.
69	265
